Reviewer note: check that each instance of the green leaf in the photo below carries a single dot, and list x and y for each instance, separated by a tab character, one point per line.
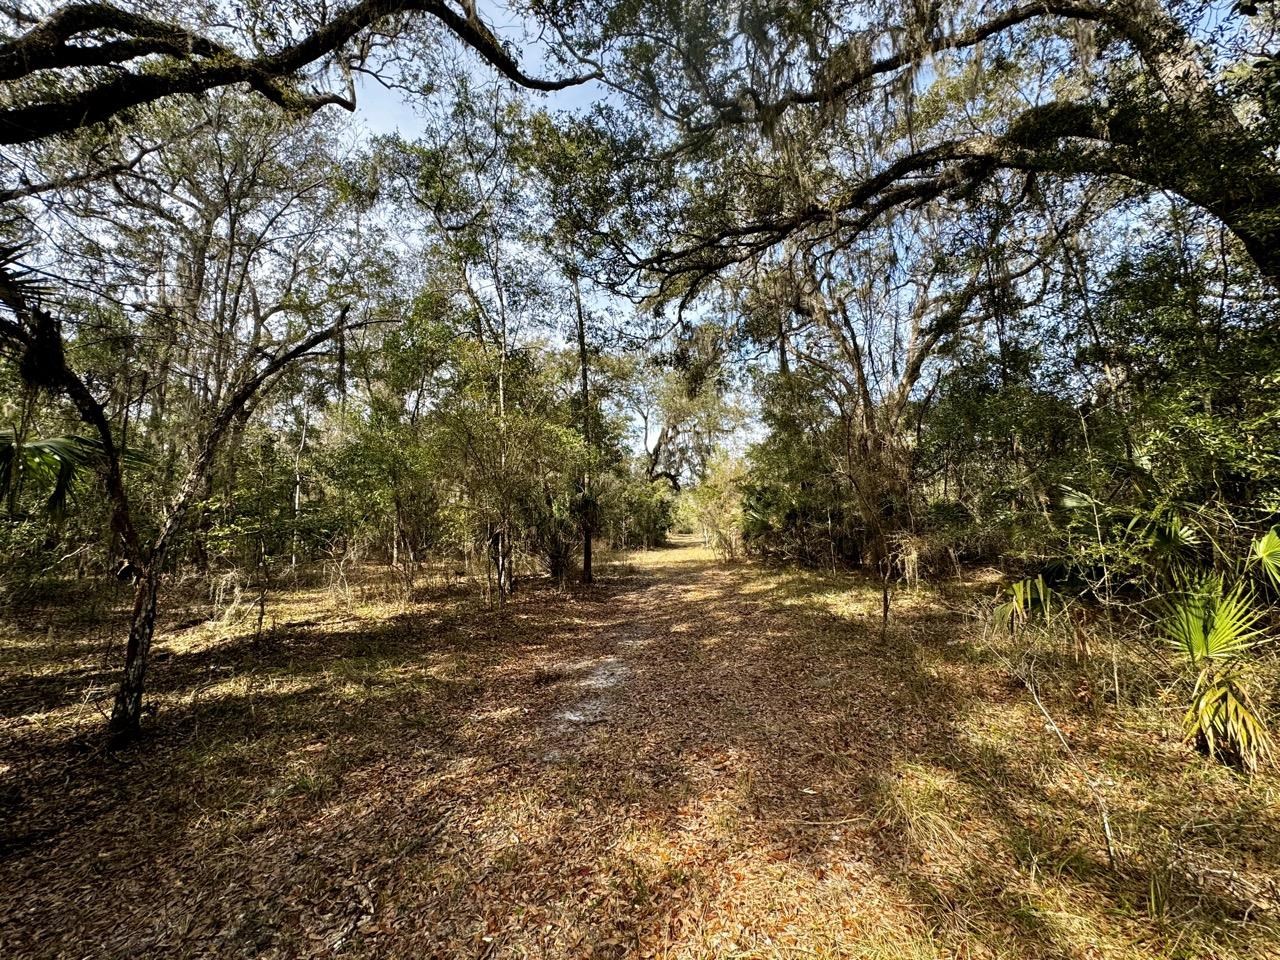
1204	622
1266	552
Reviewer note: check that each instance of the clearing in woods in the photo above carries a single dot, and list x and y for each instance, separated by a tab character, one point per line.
689	760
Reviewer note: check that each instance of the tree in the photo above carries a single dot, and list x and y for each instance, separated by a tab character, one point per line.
510	265
716	505
882	108
680	407
587	498
202	225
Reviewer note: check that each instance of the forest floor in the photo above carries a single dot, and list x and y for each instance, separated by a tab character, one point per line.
688	760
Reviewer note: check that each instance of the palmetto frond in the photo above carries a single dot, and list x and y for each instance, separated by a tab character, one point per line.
1266	554
50	463
18	283
1224	718
1212	628
1204	621
1027	599
1173	538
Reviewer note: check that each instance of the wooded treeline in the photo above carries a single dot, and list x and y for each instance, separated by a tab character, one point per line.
985	281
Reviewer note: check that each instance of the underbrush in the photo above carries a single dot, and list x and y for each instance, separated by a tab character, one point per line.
1066	804
1185	834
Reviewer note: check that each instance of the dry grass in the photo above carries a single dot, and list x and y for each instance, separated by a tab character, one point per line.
687	761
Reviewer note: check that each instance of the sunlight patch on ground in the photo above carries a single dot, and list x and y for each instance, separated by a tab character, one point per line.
772	773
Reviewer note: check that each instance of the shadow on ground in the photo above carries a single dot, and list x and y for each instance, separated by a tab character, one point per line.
688	760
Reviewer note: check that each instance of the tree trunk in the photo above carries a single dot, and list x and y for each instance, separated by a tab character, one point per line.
502	554
588	505
1255	226
508	574
882	490
126	714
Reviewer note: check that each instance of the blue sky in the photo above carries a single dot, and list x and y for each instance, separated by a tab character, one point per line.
382	111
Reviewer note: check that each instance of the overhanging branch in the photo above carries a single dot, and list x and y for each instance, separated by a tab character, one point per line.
190	63
841	76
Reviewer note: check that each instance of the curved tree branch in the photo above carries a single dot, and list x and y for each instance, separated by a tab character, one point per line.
192	63
117	168
1214	168
841	75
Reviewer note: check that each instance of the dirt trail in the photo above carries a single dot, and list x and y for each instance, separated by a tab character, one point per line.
686	761
568	778
631	628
